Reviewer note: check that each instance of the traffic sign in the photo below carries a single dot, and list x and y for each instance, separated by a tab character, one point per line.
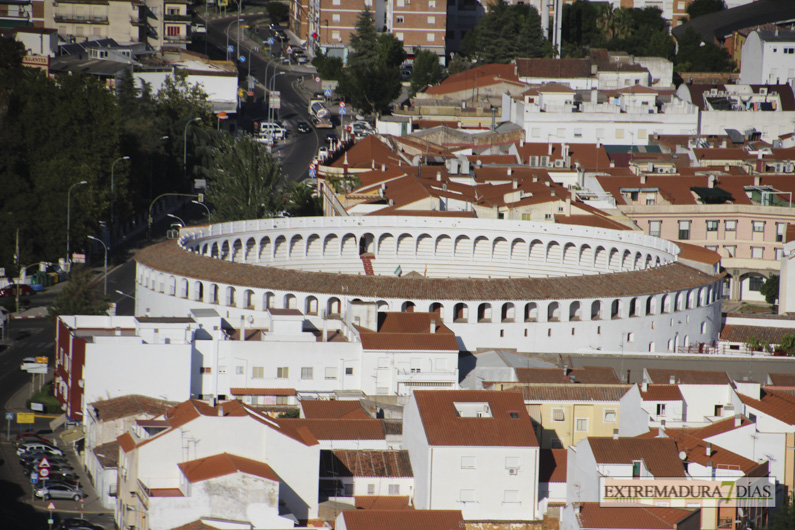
270	41
242	58
312	173
34	477
44	463
44	473
317	79
51	506
9	416
230	48
312	167
327	92
343	111
26	417
289	49
342	104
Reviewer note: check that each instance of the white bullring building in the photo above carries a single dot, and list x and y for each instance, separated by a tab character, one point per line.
533	287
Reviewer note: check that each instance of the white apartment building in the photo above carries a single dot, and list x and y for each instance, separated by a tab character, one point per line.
768	58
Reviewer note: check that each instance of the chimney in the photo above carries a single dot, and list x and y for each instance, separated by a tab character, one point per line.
433	325
738	420
711	181
644	386
566	159
521	143
643	178
709	449
242	328
672	380
514	182
594	95
757	180
383	167
535	178
615	434
220	411
438	176
118	331
510	171
549	149
565	370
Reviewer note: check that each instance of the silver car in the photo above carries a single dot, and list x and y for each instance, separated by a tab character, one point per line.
60	490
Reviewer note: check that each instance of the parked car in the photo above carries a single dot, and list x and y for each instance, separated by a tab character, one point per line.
78	524
11	290
33	459
322	153
331	137
64	475
303	127
60	490
301	59
29	437
36	447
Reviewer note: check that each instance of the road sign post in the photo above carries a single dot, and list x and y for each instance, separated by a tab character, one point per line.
9	419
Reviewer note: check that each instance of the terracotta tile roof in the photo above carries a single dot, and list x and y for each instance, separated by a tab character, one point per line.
492	159
336	429
506	71
660	455
235	391
409	331
317	409
719	427
779	405
108	454
125	406
696	253
126	442
363	463
661	393
166	492
568	392
553	68
196	525
403	519
587	375
696	450
168	256
594	516
381	502
193	408
462	85
596	221
782	379
687	377
552	465
444	427
738	333
365	152
225	464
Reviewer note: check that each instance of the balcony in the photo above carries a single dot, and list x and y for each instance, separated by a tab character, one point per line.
80	19
177	39
177	18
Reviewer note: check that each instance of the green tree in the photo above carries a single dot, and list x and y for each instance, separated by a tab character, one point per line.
244	181
277	12
427	71
698	8
81	296
694	55
303	200
363	41
770	289
329	68
504	33
390	50
458	64
784	516
787	345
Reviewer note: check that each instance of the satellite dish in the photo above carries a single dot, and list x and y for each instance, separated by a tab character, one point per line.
682	455
250	319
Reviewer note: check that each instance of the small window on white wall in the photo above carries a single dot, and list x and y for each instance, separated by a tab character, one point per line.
371	489
394	489
432	4
610	416
466	495
467	462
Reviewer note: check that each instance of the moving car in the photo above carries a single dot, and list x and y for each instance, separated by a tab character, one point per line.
60	490
303	127
11	290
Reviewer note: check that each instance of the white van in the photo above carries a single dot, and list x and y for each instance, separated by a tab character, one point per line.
272	129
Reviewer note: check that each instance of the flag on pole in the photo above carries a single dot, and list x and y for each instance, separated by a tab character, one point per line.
398	271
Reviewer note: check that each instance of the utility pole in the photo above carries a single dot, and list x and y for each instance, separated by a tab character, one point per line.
19	272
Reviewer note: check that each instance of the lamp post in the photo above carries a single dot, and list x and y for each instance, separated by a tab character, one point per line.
209	213
271	113
113	195
69	221
185	152
106	261
177	218
239	14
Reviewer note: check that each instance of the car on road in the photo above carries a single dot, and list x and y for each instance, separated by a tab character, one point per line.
60	490
29	437
198	28
77	524
322	153
303	127
301	59
11	290
31	459
34	447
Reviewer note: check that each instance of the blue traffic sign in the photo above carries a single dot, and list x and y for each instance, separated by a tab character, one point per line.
242	58
327	92
313	173
9	416
230	48
270	41
34	477
343	111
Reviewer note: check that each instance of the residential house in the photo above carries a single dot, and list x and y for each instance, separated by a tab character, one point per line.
593	516
365	473
399	519
419	25
708	396
647	406
474	451
768	58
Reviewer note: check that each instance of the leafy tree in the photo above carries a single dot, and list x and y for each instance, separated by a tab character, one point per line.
698	8
81	296
694	55
458	64
303	200
770	289
390	50
756	344
363	41
504	33
277	12
329	68
787	345
11	53
579	28
244	181
784	516
427	71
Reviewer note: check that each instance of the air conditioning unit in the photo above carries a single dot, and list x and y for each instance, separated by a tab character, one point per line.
671	170
513	471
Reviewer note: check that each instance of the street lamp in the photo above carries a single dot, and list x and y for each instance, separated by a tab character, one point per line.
113	195
175	217
271	113
105	291
185	153
125	294
209	213
69	220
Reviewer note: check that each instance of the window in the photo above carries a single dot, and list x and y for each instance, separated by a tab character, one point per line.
684	230
781	230
712	226
510	496
335	17
630	337
172	31
431	21
703	327
283	372
619	133
755	283
651	200
654	228
661	409
331	372
394	489
577	133
307	372
610	416
398	20
282	400
636	469
758	226
335	35
581	425
431	37
558	415
467	462
713	248
399	36
432	4
730	226
731	250
239	370
205	370
349	371
466	495
257	372
757	252
371	489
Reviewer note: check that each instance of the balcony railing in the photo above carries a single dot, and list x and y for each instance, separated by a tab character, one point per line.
177	18
80	19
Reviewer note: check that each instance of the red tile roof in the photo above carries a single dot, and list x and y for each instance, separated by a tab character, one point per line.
567	392
660	455
552	465
553	68
782	379
409	331
696	450
364	463
585	375
403	519
382	502
317	409
126	442
661	393
594	516
336	429
738	333
132	405
687	377
225	464
779	405
444	427
720	427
